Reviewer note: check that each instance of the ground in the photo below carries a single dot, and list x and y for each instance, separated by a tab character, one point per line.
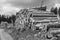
26	35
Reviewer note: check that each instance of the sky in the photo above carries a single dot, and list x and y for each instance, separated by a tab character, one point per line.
12	6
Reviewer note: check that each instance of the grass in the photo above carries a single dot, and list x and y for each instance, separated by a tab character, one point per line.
17	35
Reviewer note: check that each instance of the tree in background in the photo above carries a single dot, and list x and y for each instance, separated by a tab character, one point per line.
0	19
59	12
13	17
54	10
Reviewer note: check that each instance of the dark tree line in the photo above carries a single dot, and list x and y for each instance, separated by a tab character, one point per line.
55	10
10	19
59	11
